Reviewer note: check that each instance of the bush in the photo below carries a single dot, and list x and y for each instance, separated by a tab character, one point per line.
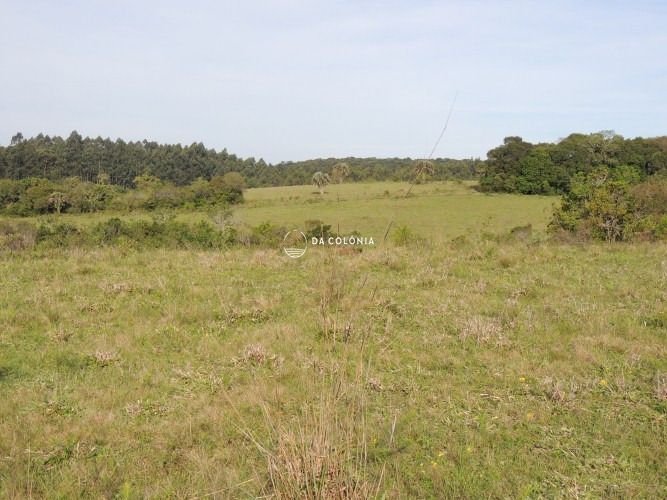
604	206
163	231
32	196
266	234
403	236
59	235
21	236
315	228
660	230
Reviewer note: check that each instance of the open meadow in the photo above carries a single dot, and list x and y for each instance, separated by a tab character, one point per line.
437	210
460	361
333	250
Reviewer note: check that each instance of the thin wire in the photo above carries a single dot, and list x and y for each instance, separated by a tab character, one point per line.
442	133
444	129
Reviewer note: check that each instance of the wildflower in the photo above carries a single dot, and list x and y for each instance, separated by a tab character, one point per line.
530	416
522	379
603	383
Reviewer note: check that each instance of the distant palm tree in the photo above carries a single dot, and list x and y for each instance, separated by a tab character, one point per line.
57	200
320	180
340	171
422	169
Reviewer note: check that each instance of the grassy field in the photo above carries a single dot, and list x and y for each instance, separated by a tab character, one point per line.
438	210
481	367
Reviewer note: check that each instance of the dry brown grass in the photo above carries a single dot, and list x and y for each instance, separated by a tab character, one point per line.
344	299
256	355
104	358
661	386
322	454
61	335
483	330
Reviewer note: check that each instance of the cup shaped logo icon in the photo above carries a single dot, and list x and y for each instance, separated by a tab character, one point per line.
295	244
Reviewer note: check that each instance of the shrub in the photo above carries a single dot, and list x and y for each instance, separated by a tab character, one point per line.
403	236
40	196
660	229
604	206
267	234
20	236
162	231
317	229
59	235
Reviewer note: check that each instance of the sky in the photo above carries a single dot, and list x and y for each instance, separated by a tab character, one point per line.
291	79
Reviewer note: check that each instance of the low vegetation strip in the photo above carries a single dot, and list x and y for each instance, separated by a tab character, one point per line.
39	196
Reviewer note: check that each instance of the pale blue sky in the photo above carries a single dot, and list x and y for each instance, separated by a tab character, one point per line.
291	79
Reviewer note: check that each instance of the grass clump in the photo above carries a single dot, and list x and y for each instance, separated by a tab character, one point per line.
321	453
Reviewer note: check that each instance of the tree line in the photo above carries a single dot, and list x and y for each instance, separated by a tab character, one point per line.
515	166
518	166
121	162
378	169
613	189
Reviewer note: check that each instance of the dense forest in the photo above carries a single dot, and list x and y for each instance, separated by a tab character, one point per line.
120	162
380	169
518	166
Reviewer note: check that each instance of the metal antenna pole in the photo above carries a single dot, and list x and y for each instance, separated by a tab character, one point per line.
444	129
442	133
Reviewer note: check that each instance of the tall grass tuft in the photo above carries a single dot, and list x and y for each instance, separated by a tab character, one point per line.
323	453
